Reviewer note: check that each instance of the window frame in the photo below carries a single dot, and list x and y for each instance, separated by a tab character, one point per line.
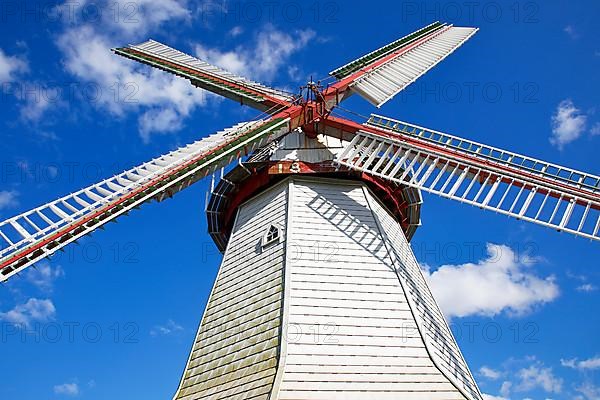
266	241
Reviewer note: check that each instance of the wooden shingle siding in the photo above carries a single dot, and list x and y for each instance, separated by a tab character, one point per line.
350	331
336	309
438	337
236	351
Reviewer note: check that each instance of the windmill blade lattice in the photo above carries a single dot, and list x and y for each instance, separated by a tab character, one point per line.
38	233
205	75
380	75
393	340
509	183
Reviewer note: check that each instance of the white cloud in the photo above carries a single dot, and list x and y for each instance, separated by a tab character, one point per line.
11	66
498	283
233	61
123	85
586	287
236	31
538	376
162	121
34	107
167	329
33	103
272	48
294	73
35	310
490	397
8	199
489	373
152	13
568	123
505	388
595	131
589	391
589	364
104	80
43	275
126	19
67	389
570	30
112	83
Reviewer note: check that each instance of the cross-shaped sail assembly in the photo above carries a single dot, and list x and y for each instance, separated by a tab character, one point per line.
315	228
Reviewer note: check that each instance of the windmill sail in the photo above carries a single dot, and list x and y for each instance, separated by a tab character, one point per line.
206	76
383	73
38	233
509	183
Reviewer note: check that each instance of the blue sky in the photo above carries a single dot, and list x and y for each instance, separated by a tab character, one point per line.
114	316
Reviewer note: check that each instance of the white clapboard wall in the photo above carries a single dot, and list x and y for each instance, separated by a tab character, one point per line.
235	353
336	309
353	330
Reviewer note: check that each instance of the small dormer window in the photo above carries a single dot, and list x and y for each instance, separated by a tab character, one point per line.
272	235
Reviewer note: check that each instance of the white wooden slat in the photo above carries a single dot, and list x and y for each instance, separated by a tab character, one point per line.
238	329
597	227
584	216
351	386
81	202
516	199
31	223
93	196
573	197
491	192
431	317
103	191
555	210
167	53
482	188
20	229
10	242
567	214
59	212
448	179
44	217
359	395
391	162
64	211
527	202
69	206
386	80
505	194
368	308
128	183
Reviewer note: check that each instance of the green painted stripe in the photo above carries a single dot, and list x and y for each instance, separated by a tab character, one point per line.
211	82
357	64
258	132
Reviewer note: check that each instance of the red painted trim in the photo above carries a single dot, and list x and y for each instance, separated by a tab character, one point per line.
351	126
303	168
251	187
391	195
271	100
388	192
107	208
342	85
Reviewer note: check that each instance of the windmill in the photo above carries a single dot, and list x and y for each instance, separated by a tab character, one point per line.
349	316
